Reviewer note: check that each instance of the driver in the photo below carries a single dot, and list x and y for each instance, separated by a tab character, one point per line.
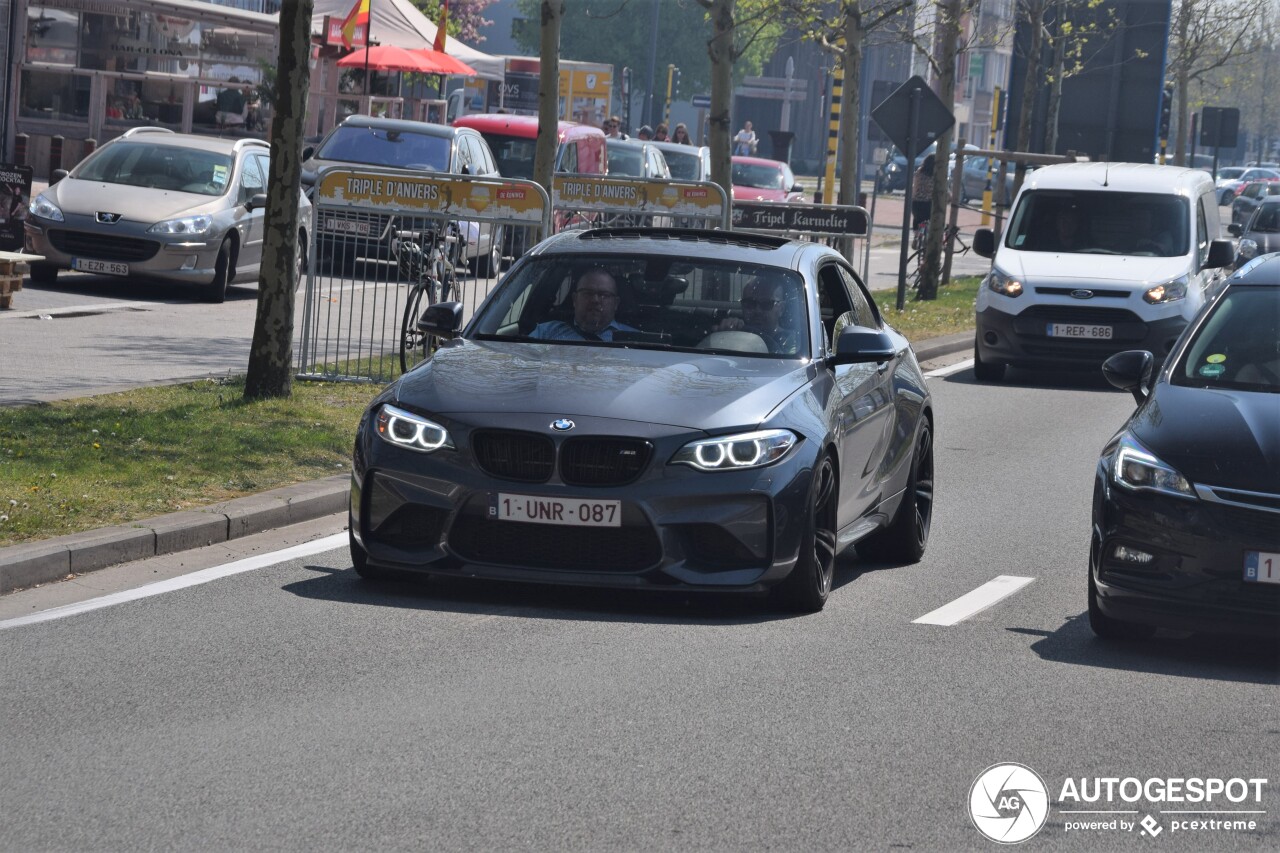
763	304
595	301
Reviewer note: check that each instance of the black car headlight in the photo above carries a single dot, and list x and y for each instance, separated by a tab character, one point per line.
1003	283
1138	469
410	431
736	452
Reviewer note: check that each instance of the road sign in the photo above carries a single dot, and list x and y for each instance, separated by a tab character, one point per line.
893	115
811	218
1219	127
775	94
702	102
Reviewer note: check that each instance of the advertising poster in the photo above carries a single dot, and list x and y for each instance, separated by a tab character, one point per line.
15	195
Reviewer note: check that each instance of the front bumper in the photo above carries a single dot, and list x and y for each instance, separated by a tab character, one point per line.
430	513
1195	580
1022	340
188	261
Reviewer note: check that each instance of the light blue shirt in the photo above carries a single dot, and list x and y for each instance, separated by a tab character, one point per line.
558	330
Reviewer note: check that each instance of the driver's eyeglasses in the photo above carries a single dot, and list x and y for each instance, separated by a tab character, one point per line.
602	295
762	304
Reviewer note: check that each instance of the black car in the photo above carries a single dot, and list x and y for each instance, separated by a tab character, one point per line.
653	408
399	144
1248	199
1186	509
1260	234
892	174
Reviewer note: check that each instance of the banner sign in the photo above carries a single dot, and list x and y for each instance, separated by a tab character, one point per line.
463	198
810	218
636	195
15	195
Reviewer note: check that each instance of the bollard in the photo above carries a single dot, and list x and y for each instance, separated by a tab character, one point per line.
20	149
90	145
55	153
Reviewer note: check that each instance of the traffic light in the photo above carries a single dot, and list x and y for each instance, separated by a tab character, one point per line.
1166	110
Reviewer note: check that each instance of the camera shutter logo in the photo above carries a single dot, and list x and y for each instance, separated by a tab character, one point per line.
1008	803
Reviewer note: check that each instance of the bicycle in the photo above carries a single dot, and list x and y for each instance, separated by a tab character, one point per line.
920	238
432	273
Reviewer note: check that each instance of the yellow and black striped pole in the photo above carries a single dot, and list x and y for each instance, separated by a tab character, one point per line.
991	146
833	135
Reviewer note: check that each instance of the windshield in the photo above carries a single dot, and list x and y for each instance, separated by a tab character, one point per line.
759	177
1266	220
379	147
1238	347
625	162
164	167
513	153
684	166
656	302
1100	223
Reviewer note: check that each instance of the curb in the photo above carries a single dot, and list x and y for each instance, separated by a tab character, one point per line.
46	560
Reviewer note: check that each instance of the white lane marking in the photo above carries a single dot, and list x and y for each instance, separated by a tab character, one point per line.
951	368
204	576
970	603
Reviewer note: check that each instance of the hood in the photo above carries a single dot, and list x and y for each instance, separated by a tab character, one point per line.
1035	267
687	390
136	204
1214	437
758	194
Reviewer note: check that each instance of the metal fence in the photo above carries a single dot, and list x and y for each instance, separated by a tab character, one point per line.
374	231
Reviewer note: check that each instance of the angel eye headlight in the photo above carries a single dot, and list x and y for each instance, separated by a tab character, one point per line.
1139	469
410	431
736	452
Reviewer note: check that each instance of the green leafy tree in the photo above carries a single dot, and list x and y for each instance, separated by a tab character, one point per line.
466	17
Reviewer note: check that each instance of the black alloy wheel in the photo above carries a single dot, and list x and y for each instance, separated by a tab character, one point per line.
360	558
905	539
808	586
1105	627
216	290
985	371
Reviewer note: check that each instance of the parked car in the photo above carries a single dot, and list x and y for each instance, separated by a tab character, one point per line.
1250	196
973	179
399	144
1247	174
1186	507
635	158
1227	181
758	179
160	205
892	174
1261	234
582	151
686	162
1098	258
726	418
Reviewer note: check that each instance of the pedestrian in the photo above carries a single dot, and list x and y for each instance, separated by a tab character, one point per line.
744	143
660	134
613	128
922	192
681	135
645	132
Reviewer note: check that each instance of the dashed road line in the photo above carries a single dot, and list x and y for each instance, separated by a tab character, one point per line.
991	592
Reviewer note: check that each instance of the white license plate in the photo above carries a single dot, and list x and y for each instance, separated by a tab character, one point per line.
564	511
1069	330
347	226
108	267
1261	567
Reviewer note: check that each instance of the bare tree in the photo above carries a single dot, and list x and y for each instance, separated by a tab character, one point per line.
552	13
270	371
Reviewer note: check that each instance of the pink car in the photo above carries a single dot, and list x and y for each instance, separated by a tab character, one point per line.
758	179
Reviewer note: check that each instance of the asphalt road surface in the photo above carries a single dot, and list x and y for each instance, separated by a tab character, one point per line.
286	705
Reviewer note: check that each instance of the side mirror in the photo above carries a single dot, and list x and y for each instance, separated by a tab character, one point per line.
256	201
984	243
1131	371
308	152
58	174
796	188
1235	229
444	320
860	345
1221	254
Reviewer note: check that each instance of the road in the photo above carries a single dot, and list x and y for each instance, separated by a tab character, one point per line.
292	706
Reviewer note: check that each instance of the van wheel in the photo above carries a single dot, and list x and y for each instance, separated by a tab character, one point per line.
985	371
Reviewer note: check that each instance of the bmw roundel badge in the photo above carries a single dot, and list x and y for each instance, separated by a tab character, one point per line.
562	425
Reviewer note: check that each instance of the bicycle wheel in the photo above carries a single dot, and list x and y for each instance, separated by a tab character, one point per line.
414	345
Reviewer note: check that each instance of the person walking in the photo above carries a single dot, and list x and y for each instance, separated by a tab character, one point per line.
922	192
681	135
744	143
660	134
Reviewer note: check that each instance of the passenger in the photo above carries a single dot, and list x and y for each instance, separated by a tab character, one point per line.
595	301
763	305
1068	235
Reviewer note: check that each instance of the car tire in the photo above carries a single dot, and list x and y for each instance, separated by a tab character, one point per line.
360	559
807	587
1104	626
216	290
986	371
1225	198
300	262
904	541
44	274
491	261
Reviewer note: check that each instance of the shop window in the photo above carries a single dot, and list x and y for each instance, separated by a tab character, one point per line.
57	95
52	35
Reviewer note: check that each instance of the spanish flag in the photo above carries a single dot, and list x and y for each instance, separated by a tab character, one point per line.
357	17
440	27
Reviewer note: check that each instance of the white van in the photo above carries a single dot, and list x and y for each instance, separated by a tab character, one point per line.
1097	258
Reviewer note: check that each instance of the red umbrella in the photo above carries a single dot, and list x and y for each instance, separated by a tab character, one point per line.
386	57
443	63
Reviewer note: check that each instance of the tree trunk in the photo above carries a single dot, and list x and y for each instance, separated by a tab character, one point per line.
949	39
270	371
1035	14
1055	85
720	52
1182	82
851	106
544	156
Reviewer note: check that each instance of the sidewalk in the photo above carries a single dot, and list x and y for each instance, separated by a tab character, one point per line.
47	560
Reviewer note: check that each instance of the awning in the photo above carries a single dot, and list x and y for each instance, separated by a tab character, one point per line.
211	13
400	23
